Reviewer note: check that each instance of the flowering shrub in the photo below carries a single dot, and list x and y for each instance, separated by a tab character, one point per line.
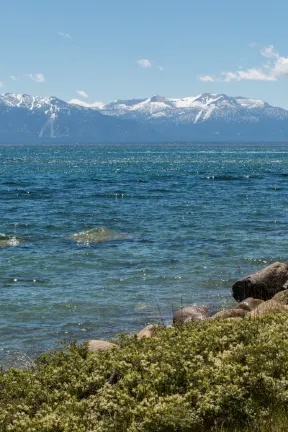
204	376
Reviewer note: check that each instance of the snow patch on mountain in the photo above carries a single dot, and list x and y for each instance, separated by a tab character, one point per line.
49	105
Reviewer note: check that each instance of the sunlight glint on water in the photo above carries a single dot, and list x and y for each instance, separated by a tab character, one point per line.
186	221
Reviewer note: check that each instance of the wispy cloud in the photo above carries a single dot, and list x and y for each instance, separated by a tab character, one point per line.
161	68
145	63
13	77
253	44
2	84
269	52
207	78
82	93
37	77
252	74
275	67
64	35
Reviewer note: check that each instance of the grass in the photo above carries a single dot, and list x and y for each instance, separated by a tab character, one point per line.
205	376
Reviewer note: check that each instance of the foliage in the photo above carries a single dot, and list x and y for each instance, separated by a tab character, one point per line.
216	375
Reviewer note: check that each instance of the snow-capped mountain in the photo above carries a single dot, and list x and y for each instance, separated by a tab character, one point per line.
207	117
47	104
197	109
30	119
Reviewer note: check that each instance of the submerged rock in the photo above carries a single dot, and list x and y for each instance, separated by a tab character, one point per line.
100	345
268	307
262	285
96	235
190	313
7	240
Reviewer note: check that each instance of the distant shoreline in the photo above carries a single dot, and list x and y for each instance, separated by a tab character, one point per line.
168	143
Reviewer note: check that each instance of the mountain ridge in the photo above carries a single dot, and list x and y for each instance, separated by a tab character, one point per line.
206	117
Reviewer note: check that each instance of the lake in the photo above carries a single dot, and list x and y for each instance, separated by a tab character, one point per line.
180	224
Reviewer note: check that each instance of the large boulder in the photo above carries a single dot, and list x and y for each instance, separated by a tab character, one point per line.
262	285
249	304
100	345
281	297
230	313
268	307
190	313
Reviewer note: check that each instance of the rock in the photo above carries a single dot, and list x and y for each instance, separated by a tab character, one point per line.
100	345
96	235
190	313
281	297
230	313
262	285
249	304
268	307
7	240
146	332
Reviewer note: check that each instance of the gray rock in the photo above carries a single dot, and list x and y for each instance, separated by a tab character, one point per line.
268	307
190	313
146	332
249	304
262	285
281	297
100	345
230	313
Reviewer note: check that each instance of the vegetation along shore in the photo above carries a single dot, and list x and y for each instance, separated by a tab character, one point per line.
226	372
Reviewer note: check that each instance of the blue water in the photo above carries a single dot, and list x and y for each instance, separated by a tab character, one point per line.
190	219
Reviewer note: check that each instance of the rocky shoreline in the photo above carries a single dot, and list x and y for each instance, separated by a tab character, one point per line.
261	293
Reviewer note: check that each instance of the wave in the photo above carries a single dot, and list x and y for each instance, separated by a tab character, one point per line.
229	177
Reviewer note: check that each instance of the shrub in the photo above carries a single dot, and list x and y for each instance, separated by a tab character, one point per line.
204	376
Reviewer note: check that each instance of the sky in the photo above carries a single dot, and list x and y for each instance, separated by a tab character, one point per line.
102	50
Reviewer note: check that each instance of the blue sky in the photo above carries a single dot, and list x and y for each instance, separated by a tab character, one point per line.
117	49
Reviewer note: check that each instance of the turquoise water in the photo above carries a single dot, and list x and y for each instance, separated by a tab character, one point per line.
182	222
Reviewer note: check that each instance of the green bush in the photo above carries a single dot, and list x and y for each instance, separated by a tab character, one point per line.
205	376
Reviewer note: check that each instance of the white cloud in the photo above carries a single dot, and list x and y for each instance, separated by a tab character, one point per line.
252	74
82	93
12	77
161	68
37	77
2	84
269	52
64	35
207	78
275	67
280	67
253	44
145	63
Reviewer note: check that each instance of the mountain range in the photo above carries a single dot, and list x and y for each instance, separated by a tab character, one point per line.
204	118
